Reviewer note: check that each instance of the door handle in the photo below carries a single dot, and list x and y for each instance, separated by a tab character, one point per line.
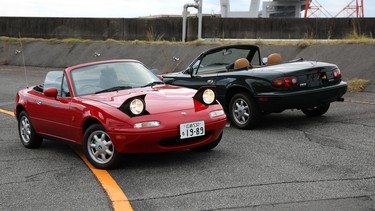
39	102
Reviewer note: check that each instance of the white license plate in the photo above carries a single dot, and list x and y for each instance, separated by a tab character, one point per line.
192	129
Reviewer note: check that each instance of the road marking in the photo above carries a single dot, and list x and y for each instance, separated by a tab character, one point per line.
114	192
7	112
361	102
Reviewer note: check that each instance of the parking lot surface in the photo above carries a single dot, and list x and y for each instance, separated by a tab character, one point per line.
290	162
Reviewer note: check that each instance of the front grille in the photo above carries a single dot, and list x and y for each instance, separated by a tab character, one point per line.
176	141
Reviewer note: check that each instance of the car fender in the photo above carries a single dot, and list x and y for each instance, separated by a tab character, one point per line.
234	88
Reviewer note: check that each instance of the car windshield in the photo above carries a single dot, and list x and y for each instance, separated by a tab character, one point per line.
222	59
112	76
218	61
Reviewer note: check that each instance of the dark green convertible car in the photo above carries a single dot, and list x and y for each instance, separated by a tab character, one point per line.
249	86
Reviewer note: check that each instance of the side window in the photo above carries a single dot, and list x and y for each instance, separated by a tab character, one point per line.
65	88
53	79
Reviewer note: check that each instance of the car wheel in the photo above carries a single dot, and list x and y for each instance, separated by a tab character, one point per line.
209	146
28	136
316	111
99	149
243	111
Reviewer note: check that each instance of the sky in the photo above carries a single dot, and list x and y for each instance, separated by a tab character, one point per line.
138	8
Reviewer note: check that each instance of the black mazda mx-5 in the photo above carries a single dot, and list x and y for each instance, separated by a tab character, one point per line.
249	86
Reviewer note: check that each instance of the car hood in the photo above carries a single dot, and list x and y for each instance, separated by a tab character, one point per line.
158	99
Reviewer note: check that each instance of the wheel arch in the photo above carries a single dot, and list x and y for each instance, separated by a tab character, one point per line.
19	109
234	90
88	122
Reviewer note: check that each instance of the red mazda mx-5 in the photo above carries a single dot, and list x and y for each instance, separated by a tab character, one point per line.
118	106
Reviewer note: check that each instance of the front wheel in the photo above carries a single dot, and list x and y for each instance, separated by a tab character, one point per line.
316	111
29	138
243	111
99	149
209	146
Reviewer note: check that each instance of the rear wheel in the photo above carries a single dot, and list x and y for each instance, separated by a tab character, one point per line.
209	146
29	138
316	111
99	149
243	111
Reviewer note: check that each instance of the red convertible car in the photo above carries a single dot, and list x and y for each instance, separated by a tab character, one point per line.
118	106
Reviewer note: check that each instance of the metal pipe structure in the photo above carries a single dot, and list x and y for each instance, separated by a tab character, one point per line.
197	5
199	18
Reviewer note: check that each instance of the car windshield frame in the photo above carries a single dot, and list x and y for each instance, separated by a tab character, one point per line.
111	76
226	58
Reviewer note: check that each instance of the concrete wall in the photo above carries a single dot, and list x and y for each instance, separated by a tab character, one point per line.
170	28
354	60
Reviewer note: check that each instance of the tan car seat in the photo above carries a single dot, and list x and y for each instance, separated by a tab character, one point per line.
274	58
241	63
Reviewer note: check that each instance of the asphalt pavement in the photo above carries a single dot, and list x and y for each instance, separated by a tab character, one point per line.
290	162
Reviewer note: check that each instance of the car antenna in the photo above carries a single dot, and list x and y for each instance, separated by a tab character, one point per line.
23	60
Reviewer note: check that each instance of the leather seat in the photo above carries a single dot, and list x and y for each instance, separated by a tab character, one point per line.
274	58
108	78
241	63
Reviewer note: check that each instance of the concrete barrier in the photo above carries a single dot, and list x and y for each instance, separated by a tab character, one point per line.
355	60
170	28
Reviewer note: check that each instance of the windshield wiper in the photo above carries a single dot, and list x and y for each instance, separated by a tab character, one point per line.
116	88
153	83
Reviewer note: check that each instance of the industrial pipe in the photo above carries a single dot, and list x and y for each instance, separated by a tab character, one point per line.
197	5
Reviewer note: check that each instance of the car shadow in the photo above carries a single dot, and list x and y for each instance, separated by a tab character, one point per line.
289	119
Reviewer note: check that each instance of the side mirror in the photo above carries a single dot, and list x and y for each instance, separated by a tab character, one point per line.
51	92
189	70
160	77
265	60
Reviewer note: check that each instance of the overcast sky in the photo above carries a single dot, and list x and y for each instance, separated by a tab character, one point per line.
136	8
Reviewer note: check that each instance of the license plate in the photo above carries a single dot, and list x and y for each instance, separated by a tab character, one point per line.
192	129
313	80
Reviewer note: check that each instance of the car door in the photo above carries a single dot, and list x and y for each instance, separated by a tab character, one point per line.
54	114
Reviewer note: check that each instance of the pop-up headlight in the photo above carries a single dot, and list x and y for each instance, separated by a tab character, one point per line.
137	106
134	106
206	95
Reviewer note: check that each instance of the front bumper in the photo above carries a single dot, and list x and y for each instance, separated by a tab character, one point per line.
166	137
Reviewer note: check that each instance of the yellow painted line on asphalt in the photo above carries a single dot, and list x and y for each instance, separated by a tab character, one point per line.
114	192
7	112
362	102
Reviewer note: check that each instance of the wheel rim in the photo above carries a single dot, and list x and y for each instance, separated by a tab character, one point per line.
25	129
100	147
241	111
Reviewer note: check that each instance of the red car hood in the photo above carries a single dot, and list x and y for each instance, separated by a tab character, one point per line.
159	99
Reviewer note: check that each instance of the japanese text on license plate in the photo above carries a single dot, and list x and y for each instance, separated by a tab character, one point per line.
192	129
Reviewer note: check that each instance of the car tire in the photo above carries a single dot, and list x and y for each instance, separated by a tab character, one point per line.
243	112
209	146
29	138
316	111
99	149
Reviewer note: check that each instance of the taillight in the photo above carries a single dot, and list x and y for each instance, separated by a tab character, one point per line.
285	82
336	73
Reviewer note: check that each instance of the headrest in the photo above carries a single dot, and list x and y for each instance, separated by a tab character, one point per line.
241	63
274	58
